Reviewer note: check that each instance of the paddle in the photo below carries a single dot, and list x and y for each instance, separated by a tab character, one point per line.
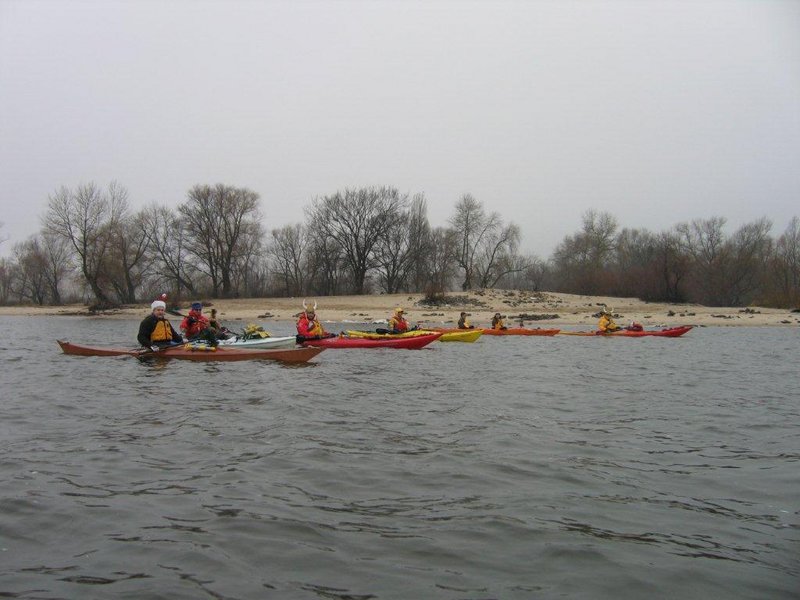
155	349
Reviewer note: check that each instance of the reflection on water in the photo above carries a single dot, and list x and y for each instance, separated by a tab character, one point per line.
509	468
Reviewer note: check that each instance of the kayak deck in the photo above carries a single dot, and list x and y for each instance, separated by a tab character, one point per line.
343	341
447	335
521	331
671	332
196	353
262	343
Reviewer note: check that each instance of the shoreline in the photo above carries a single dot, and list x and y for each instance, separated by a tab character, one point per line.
535	309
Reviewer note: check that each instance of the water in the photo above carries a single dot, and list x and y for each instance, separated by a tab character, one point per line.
511	468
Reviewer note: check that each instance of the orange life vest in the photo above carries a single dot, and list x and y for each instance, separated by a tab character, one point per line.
162	332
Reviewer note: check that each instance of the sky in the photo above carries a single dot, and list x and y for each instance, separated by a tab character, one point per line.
656	112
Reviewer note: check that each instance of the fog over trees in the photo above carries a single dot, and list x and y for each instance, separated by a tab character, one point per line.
92	248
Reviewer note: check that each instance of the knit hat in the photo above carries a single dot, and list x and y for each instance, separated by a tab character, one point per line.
158	304
197	306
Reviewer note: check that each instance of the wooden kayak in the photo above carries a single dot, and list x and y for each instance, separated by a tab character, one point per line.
448	335
196	352
343	341
671	332
521	331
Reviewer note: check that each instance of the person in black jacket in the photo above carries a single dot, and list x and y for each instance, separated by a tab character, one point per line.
155	331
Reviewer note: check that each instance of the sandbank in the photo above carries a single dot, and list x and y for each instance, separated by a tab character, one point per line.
534	309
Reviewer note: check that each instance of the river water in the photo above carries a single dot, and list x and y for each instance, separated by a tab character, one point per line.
561	467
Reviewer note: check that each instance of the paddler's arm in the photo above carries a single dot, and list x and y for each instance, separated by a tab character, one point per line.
145	329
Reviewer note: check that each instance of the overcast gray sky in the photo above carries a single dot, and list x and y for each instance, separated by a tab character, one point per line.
658	112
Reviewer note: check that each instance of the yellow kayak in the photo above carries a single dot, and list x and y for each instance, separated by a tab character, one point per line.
468	335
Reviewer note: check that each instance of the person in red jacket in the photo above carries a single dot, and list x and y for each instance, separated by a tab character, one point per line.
308	327
398	323
195	325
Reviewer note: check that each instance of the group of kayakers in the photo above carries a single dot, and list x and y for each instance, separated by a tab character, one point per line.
155	331
606	324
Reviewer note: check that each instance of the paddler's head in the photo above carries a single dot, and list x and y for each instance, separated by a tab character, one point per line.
158	307
197	306
398	311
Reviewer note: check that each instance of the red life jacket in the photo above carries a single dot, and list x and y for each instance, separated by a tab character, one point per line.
398	324
194	323
309	327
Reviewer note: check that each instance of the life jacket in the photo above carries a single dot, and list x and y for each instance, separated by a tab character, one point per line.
309	327
606	323
463	323
398	324
162	332
194	323
497	323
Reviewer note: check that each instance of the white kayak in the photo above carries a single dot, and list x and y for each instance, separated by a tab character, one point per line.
267	342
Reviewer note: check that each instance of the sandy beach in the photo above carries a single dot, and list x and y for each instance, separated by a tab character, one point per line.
535	309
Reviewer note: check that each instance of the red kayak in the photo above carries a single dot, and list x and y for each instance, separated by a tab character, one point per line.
413	343
520	331
197	352
668	332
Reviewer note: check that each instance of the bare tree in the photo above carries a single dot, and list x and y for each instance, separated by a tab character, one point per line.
582	261
399	252
498	256
325	266
420	244
356	220
246	271
471	226
166	238
86	217
217	220
725	272
288	251
130	256
785	267
672	266
30	282
442	265
57	262
7	275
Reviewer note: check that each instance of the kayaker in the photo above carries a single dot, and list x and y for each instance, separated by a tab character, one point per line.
308	326
498	322
606	323
463	323
195	326
397	322
221	332
155	331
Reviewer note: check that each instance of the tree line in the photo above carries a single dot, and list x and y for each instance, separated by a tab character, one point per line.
93	248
